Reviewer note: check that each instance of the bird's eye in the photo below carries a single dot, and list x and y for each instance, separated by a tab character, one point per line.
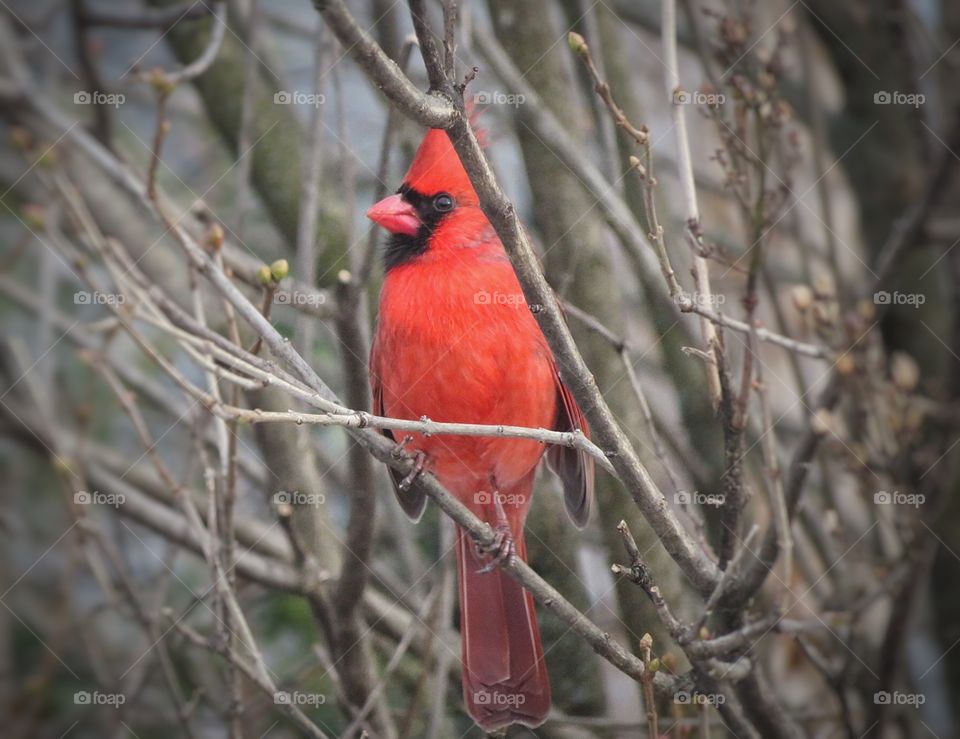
443	202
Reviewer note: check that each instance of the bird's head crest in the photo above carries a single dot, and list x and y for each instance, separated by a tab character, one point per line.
436	167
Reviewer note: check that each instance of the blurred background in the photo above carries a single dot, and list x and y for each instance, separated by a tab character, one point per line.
168	571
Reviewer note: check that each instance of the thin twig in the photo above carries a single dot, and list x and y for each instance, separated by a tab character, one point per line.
202	63
701	273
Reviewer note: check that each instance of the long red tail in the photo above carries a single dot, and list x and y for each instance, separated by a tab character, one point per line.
504	674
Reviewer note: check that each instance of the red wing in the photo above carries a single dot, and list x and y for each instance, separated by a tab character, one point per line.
572	466
412	501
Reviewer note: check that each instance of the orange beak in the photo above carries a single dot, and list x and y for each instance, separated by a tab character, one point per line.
396	215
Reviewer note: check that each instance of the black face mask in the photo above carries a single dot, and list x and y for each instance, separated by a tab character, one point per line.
431	210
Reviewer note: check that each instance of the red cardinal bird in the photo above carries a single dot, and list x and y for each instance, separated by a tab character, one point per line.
456	342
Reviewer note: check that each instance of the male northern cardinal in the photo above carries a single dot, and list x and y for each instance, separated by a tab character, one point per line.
456	342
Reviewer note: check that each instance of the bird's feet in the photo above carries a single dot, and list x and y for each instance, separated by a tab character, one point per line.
503	548
419	460
501	551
